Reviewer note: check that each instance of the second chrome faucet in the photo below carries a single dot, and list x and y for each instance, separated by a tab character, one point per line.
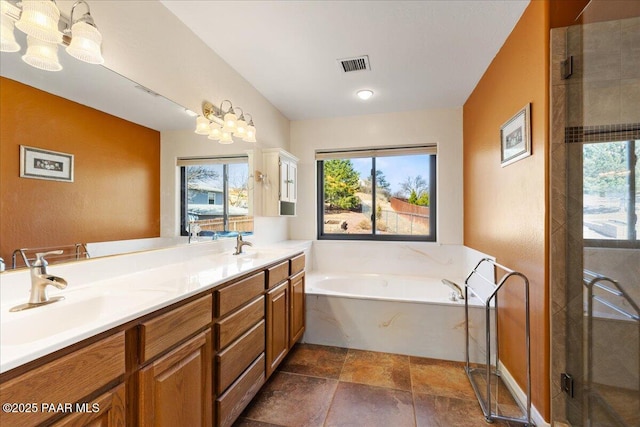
240	243
40	280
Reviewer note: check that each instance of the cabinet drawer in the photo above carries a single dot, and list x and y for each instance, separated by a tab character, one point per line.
232	403
231	327
297	264
277	274
234	359
166	330
233	296
67	379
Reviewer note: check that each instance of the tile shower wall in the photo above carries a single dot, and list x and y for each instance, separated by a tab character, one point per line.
605	86
604	90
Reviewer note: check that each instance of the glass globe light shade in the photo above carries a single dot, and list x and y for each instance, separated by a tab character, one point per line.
216	132
202	126
42	55
85	43
251	134
39	19
7	38
241	128
230	121
225	137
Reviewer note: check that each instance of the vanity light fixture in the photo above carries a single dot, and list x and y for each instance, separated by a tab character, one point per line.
222	125
41	20
364	94
86	40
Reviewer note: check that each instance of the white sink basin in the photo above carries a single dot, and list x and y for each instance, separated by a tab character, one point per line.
79	309
257	254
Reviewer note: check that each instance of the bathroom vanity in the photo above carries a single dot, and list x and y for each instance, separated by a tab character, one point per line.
196	356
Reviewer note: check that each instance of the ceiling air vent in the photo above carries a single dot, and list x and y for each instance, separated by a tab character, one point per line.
358	63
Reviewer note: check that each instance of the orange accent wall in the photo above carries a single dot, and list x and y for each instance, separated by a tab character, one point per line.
566	12
505	209
116	191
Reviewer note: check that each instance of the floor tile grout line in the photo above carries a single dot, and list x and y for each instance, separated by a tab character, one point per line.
326	415
310	376
413	395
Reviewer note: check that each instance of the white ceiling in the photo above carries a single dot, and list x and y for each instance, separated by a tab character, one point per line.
423	54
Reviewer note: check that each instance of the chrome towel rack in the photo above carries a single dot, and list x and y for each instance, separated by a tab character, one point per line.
491	395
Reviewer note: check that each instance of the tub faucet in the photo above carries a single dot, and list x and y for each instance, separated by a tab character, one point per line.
240	243
40	279
457	291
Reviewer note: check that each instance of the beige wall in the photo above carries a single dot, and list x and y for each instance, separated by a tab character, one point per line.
441	126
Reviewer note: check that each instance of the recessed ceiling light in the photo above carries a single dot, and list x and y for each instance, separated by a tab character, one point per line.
365	94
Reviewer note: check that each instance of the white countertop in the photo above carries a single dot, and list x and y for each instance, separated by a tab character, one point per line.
104	293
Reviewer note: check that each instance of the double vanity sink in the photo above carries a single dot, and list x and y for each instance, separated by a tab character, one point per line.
98	298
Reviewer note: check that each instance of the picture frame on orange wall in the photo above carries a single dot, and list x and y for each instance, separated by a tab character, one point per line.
38	163
515	137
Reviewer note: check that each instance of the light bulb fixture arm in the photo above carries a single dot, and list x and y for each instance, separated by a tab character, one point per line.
87	18
230	110
212	113
241	116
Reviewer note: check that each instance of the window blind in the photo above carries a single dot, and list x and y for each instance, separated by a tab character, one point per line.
376	152
194	161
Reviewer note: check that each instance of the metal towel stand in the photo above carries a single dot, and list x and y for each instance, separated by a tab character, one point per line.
492	375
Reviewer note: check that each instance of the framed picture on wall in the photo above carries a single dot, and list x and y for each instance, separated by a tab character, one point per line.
515	137
45	164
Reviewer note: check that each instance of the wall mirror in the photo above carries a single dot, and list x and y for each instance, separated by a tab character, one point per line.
46	213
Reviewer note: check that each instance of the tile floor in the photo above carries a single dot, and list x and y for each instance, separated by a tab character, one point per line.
331	386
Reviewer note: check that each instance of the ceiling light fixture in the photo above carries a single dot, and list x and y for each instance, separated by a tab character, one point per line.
222	125
364	94
41	20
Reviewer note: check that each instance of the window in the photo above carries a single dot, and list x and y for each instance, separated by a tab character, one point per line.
214	196
377	194
610	192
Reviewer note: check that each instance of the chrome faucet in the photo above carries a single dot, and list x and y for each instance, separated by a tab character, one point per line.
240	243
457	290
40	279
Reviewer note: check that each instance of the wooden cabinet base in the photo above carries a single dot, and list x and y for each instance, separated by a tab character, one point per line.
277	326
175	389
231	404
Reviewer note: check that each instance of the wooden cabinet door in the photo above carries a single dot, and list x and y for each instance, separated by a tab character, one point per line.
277	325
175	390
297	308
108	410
